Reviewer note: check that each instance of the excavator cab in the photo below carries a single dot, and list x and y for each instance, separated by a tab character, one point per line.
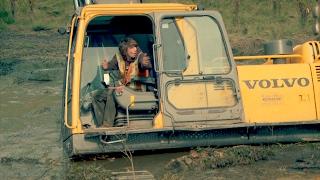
192	84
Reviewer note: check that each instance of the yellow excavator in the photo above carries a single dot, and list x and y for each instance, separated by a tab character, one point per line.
196	95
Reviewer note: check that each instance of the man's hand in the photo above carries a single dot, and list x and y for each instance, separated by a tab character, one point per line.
145	62
119	89
105	64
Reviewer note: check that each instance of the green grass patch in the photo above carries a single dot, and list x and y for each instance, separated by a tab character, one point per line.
5	17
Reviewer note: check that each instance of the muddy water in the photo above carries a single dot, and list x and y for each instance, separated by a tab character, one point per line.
30	144
29	132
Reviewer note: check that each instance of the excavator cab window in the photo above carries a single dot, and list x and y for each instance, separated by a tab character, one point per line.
185	41
102	37
173	46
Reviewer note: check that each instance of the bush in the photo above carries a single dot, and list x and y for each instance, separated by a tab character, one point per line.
6	17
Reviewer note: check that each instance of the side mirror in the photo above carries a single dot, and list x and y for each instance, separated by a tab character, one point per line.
315	11
154	53
316	16
316	28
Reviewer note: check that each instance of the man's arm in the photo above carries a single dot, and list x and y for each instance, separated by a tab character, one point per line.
110	65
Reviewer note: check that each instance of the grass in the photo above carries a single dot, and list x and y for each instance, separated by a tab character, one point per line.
251	19
38	16
249	24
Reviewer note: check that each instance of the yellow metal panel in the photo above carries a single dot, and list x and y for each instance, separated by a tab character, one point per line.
269	58
158	121
309	52
134	8
315	69
277	93
67	115
187	95
220	95
76	79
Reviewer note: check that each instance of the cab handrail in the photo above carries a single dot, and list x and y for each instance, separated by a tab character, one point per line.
267	57
67	78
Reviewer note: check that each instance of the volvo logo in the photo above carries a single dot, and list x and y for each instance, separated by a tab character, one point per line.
277	83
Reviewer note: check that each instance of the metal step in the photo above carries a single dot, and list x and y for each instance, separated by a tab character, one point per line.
134	175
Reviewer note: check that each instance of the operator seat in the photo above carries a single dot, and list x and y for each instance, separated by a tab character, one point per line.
136	105
136	100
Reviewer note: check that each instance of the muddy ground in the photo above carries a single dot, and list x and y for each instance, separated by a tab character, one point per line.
31	76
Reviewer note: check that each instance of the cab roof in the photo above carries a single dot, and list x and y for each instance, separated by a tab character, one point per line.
135	8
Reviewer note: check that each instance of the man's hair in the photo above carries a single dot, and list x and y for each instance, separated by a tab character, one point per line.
125	44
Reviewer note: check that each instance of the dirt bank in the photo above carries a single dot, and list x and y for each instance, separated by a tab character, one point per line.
280	161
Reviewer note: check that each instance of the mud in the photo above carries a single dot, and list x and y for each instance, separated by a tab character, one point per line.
281	161
31	76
